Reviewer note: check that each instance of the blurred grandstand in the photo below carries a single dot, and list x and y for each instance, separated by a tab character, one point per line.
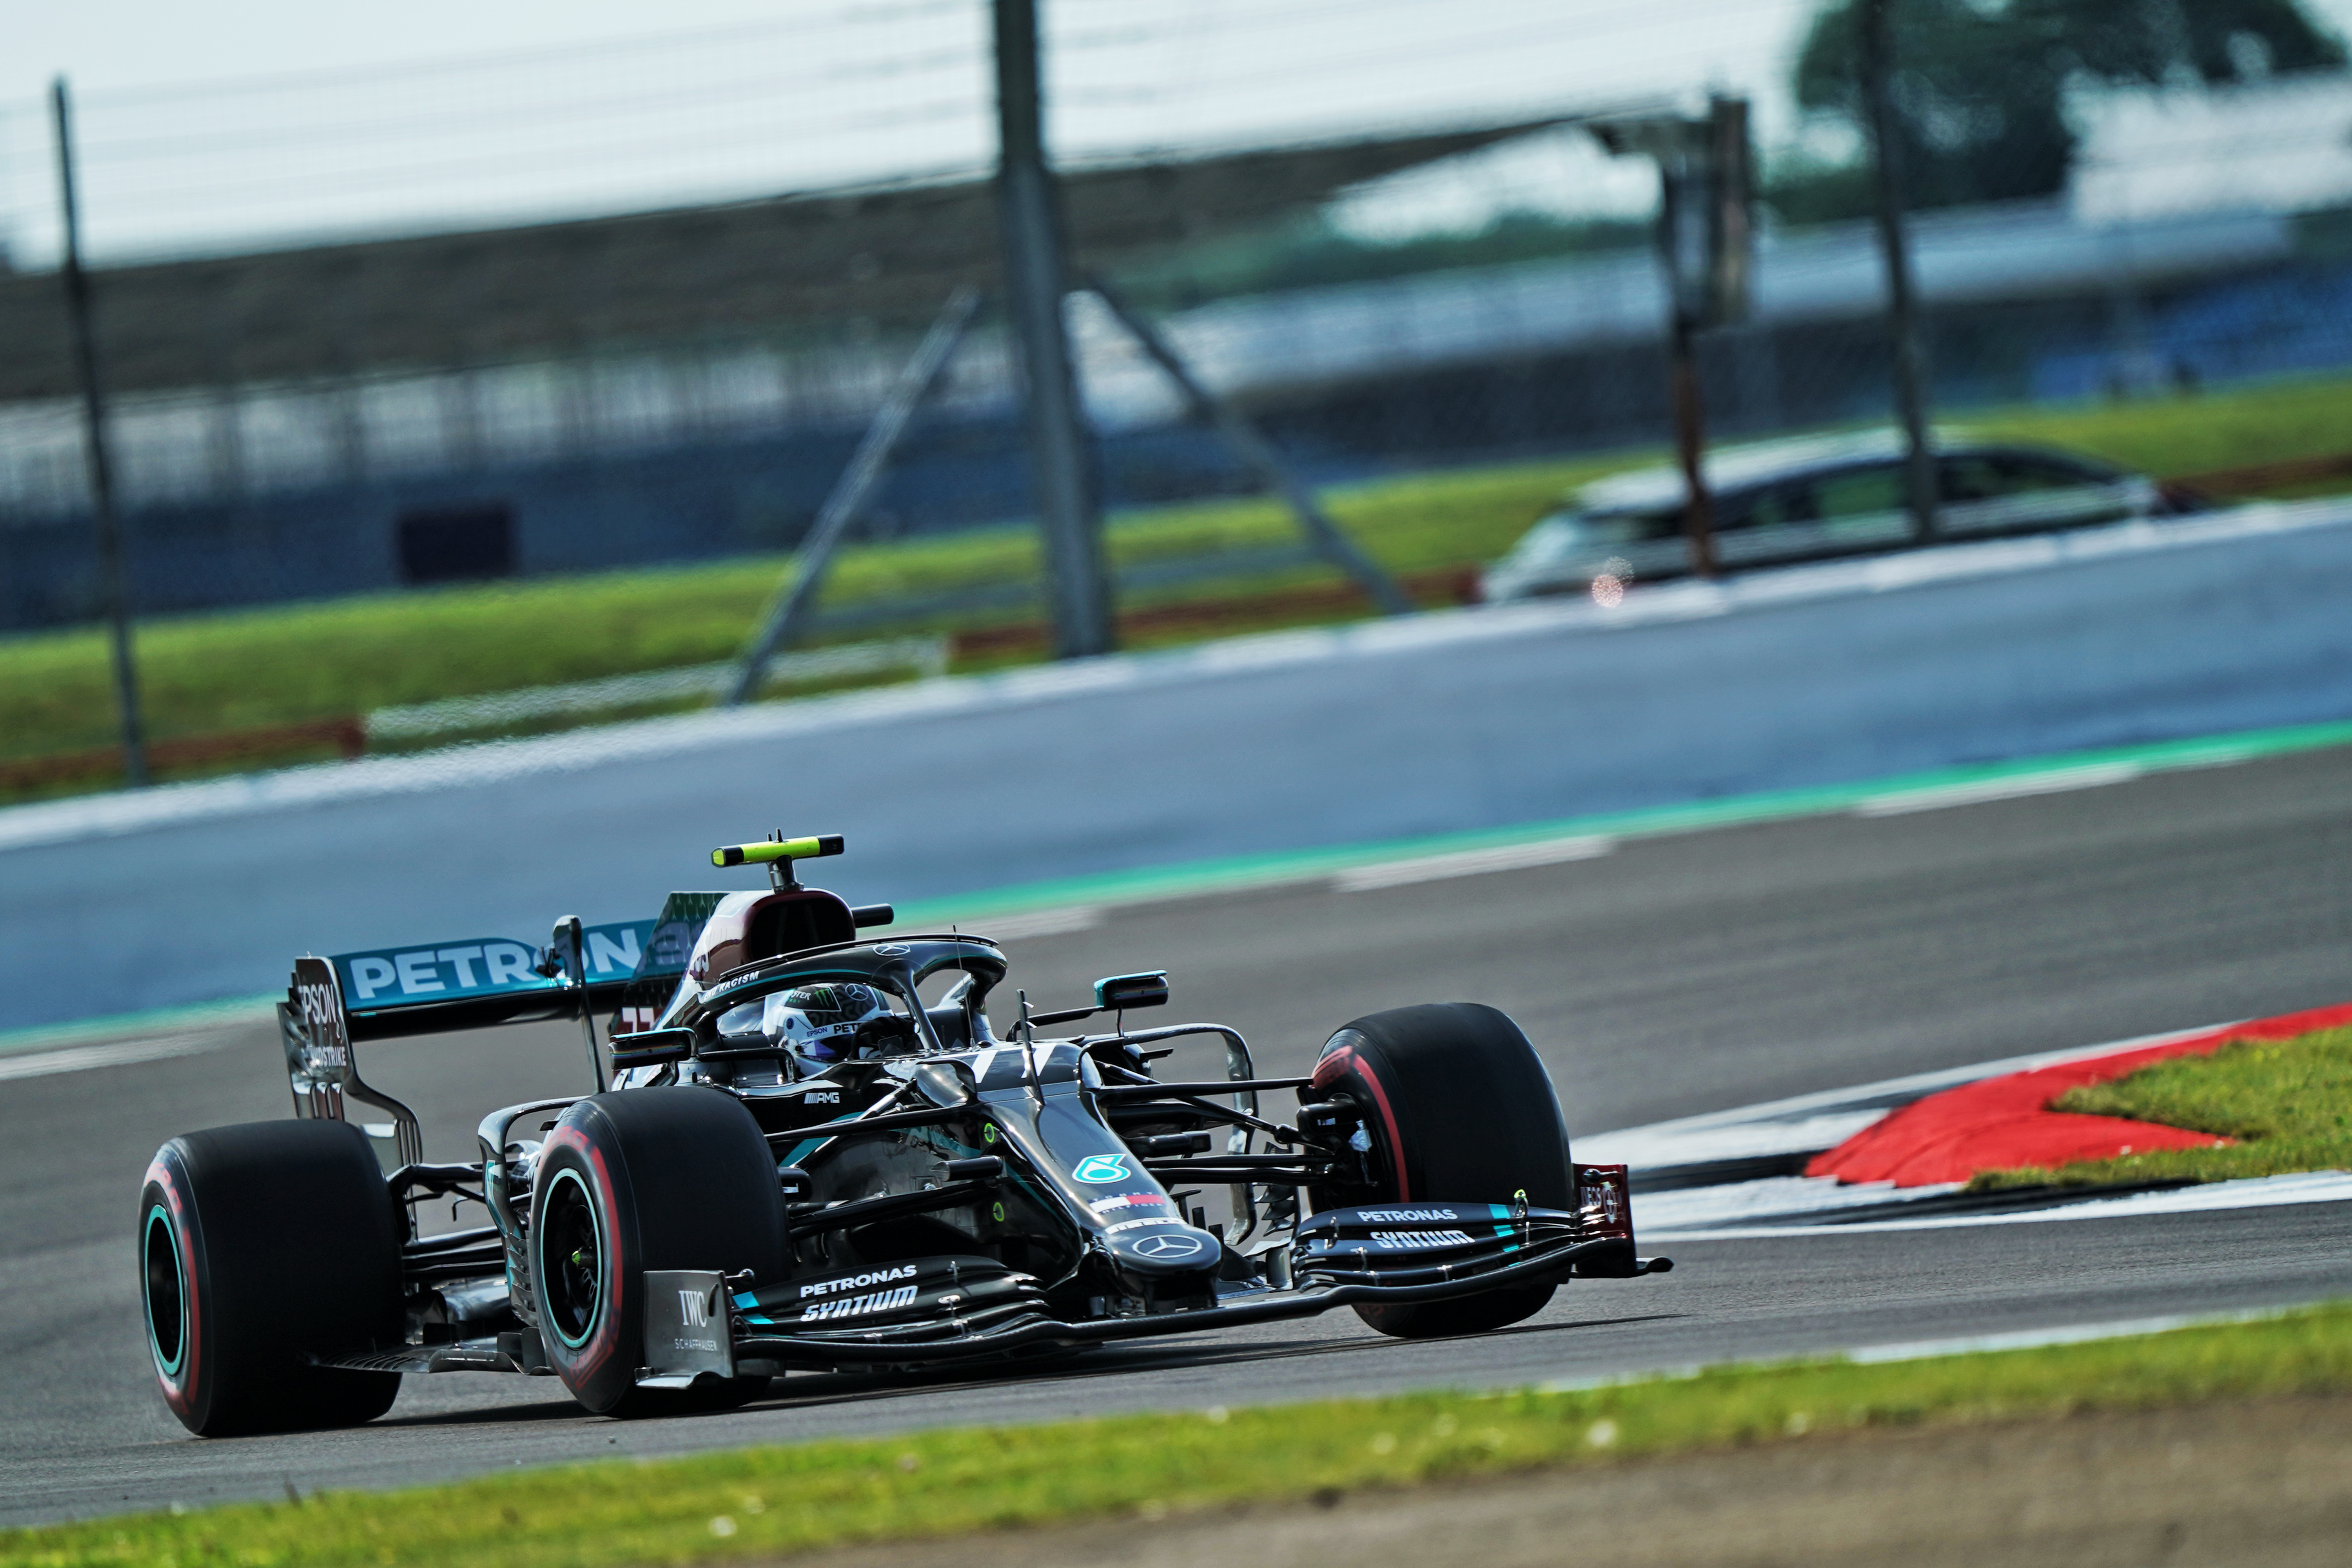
455	397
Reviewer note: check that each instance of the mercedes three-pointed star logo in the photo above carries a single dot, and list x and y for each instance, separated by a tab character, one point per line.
1168	1244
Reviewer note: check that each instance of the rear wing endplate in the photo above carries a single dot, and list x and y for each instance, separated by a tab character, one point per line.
320	1069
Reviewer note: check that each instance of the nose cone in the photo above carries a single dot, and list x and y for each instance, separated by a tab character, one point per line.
1165	1249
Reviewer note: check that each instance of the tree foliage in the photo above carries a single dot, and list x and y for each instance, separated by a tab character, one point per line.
1980	88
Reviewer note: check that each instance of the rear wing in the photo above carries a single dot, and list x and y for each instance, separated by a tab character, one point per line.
478	982
475	983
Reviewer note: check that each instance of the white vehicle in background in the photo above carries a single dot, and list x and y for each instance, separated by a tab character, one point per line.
1784	501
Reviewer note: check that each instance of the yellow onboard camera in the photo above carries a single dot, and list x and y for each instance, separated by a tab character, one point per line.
778	848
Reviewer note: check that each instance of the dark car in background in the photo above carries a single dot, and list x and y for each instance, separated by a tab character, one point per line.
1785	501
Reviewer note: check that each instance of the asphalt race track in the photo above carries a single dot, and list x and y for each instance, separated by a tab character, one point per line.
1671	977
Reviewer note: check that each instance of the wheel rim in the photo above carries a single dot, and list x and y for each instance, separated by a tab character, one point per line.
167	1292
572	1260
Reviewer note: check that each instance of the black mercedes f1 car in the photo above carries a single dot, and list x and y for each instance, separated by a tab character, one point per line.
814	1152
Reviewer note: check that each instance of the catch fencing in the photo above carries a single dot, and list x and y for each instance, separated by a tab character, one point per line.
536	316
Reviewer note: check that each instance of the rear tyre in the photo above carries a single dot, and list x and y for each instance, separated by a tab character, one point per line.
637	1180
257	1244
1459	1108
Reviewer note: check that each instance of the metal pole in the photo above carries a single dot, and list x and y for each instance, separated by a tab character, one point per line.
850	491
1682	354
101	467
1035	283
1902	322
1327	537
1690	446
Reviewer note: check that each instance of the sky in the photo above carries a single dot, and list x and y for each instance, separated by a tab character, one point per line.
201	127
245	121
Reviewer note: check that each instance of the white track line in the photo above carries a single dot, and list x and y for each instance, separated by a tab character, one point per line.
1039	922
1692	1210
1805	1123
120	1053
2017	786
2260	1192
1729	1211
238	1012
1669	1143
1473	862
1932	1349
2072	1334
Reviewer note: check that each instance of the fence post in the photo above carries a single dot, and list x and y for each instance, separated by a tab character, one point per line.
1690	441
101	467
1036	284
1706	237
1902	322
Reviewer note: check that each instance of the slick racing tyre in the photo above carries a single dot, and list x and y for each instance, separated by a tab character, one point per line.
1458	1107
636	1180
256	1244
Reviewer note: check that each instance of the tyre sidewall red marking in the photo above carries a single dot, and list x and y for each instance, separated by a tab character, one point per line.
183	1391
592	1360
1343	1065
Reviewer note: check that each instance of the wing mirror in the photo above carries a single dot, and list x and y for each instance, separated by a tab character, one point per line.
1116	993
1121	992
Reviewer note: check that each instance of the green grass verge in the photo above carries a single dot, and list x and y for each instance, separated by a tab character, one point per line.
206	673
766	1502
2167	437
2288	1103
249	669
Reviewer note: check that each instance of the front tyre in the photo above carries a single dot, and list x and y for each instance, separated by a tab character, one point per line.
258	1246
639	1180
1458	1109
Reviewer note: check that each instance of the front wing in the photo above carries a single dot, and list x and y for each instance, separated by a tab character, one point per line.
931	1310
941	1310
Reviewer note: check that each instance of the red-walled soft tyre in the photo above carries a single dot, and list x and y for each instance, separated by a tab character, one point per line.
259	1244
636	1180
1459	1109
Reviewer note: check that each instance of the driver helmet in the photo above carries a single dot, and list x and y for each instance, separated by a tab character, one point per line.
820	1021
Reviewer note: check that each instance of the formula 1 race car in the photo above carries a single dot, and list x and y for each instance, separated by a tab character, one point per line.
816	1153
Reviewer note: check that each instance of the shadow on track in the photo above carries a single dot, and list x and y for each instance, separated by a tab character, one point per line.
561	1408
820	1390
